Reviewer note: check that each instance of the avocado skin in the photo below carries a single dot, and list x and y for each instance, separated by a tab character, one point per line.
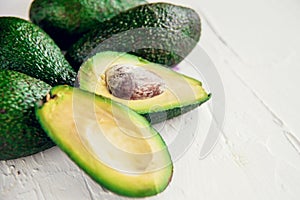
161	116
26	48
20	133
159	32
67	20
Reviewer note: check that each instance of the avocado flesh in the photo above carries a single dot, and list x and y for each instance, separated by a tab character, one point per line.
159	32
181	94
26	48
113	144
20	133
67	20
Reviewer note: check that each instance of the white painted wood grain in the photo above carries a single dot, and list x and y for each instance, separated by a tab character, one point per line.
255	47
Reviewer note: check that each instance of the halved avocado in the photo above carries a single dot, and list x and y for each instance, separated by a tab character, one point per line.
180	93
113	144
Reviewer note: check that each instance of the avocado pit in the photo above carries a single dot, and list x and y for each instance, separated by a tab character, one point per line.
131	82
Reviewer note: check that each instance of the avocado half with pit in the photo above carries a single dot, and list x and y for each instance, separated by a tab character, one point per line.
152	90
113	144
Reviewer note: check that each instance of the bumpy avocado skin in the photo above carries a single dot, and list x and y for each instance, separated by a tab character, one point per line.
20	132
26	48
67	20
159	32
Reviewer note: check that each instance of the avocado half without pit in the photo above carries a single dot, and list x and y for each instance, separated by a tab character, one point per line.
152	90
116	146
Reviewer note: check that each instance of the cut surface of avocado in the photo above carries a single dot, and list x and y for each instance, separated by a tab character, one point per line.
178	93
116	146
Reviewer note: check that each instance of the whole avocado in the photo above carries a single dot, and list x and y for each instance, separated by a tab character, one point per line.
20	133
67	20
159	32
26	48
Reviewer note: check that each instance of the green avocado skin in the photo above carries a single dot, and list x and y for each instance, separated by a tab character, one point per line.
159	32
161	116
20	133
26	48
67	20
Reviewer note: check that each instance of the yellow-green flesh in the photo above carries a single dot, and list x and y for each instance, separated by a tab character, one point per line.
114	145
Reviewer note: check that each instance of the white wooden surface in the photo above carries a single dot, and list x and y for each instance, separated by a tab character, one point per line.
255	46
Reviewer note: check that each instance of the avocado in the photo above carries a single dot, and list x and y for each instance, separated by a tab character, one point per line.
159	32
20	133
67	20
26	48
113	144
154	91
